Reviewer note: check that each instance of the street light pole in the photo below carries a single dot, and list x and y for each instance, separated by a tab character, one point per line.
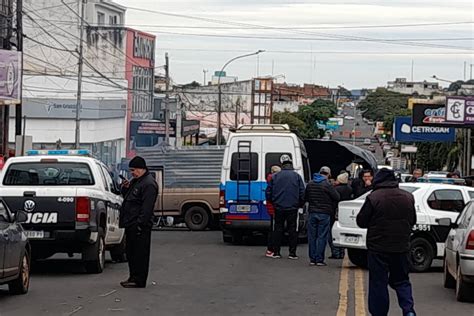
219	105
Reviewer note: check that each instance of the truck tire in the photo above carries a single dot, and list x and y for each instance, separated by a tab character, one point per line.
22	283
448	280
118	253
421	254
196	218
95	255
358	257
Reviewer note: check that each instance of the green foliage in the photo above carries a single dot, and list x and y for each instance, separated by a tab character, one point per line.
436	156
383	104
304	121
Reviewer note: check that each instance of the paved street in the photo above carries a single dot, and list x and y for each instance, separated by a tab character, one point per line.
194	273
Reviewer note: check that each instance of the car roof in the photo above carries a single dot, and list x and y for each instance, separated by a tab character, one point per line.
59	158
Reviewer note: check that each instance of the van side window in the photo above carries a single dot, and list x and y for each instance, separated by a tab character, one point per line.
274	159
243	167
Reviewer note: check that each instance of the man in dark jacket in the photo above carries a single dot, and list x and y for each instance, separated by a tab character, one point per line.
389	215
345	194
136	216
363	184
322	199
286	192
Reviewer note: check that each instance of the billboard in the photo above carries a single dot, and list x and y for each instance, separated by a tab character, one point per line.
460	110
10	77
405	131
339	120
429	114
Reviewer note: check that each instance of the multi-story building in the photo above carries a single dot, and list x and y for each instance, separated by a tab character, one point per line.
117	76
401	85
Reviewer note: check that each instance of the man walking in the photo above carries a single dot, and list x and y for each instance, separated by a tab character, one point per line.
136	216
322	199
389	215
286	192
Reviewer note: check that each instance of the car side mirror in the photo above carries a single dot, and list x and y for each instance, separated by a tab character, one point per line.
446	222
21	217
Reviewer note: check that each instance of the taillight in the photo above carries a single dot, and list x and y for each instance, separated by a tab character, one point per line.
222	199
470	241
83	209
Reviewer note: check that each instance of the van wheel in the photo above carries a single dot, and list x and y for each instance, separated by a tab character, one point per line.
358	257
196	218
421	255
448	280
22	283
118	253
464	291
96	263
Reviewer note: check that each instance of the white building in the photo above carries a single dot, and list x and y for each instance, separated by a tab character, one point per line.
401	85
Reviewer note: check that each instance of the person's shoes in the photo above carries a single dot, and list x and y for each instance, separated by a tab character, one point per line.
293	257
132	284
312	263
276	256
269	254
321	264
129	280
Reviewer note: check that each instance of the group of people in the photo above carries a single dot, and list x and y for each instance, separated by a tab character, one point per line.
388	214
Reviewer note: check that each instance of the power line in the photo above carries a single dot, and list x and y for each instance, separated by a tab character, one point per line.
216	21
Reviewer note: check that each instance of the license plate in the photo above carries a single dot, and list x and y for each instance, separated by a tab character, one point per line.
243	208
34	234
352	239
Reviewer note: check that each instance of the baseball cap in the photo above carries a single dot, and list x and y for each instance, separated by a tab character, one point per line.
325	170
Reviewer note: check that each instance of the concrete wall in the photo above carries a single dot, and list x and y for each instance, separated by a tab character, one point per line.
282	106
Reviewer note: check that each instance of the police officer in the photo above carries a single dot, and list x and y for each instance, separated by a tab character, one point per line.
136	216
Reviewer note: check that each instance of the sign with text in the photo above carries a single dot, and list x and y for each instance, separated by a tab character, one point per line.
429	114
460	110
405	131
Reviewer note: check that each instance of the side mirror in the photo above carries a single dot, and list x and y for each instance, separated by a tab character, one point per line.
446	222
21	217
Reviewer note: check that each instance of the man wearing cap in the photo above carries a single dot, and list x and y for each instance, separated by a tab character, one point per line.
136	216
388	214
286	192
322	198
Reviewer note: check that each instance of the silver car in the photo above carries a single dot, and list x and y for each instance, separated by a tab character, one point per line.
459	254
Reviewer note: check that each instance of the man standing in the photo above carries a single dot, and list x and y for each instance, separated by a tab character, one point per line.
286	192
271	211
389	215
136	216
417	173
322	199
364	185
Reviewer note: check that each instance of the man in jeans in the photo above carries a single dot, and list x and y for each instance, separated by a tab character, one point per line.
286	192
322	198
389	215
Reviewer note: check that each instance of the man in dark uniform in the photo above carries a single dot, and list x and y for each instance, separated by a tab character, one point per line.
136	216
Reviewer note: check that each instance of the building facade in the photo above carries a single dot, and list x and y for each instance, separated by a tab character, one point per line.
401	85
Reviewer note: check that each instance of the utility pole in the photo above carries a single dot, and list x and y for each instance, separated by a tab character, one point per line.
179	124
19	35
167	100
412	69
470	76
205	72
79	76
465	70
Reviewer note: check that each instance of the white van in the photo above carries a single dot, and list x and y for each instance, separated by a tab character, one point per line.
250	153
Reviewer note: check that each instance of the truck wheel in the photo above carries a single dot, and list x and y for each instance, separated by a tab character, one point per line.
196	218
448	280
421	254
358	257
464	291
22	283
95	255
118	253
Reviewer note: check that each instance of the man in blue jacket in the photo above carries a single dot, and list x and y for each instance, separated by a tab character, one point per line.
286	192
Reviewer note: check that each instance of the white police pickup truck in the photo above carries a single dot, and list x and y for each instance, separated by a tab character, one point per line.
72	203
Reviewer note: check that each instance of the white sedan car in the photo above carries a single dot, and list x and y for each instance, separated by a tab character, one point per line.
459	255
432	202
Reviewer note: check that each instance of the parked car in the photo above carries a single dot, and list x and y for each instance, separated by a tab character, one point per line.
432	202
348	117
15	251
459	254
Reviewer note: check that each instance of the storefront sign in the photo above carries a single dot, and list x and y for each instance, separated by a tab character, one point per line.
429	114
460	110
143	47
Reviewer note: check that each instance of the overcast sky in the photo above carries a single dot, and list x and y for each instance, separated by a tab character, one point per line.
320	59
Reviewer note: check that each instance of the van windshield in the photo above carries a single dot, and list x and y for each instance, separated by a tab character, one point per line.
48	174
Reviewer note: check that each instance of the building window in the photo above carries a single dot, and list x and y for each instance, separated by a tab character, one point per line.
100	18
113	20
142	90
